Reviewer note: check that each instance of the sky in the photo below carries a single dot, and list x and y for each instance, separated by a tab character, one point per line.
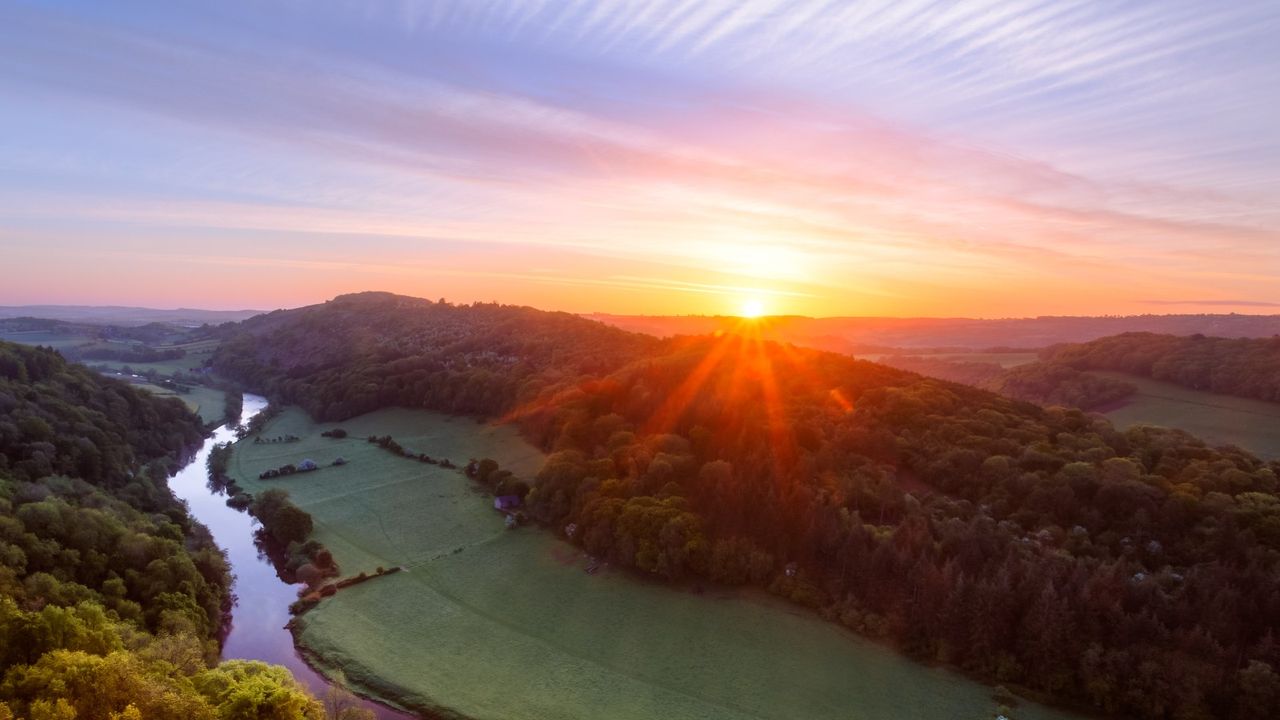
893	158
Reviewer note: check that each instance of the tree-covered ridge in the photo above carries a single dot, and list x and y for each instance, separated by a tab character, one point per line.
1050	383
57	418
1043	383
1245	367
111	598
1134	572
357	353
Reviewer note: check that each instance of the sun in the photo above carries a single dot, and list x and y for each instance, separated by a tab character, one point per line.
752	308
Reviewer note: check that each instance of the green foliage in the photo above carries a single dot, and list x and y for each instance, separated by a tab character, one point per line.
62	419
1057	384
93	668
233	405
1246	367
283	520
366	351
1043	383
250	690
111	597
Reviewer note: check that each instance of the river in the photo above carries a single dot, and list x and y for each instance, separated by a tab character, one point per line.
262	599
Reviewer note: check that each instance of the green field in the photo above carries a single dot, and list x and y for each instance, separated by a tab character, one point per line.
1217	419
208	403
501	624
196	354
57	340
1005	360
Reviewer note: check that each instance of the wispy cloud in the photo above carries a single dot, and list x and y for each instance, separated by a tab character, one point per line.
1044	156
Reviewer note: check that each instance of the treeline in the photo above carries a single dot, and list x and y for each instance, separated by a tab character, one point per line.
112	599
1051	383
62	419
286	529
128	354
967	372
232	405
388	443
1134	572
496	480
285	535
1245	367
1043	383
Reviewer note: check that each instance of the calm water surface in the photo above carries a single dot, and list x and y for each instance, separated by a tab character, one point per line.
262	598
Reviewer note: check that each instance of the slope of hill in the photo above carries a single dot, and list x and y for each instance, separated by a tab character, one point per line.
1136	572
1243	367
360	352
1042	383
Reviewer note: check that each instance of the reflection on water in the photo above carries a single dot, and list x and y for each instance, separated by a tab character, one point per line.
262	598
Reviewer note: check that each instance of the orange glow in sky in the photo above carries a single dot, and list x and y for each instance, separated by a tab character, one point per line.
672	159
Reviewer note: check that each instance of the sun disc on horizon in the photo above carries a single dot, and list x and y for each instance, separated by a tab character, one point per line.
752	308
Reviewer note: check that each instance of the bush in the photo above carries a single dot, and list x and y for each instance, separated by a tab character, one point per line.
240	501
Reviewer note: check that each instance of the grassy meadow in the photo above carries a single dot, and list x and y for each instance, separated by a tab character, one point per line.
208	403
1004	360
501	624
1217	419
196	354
56	340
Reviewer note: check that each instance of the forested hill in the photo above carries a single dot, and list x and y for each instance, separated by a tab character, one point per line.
1131	572
1246	367
111	597
359	352
57	418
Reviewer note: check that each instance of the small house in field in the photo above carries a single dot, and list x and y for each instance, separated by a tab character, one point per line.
506	503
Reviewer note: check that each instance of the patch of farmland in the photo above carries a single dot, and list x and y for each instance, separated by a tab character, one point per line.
1217	419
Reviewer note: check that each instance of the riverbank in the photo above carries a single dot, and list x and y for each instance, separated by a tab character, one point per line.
257	630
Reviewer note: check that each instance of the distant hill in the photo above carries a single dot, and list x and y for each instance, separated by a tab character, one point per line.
871	334
1243	367
360	352
120	315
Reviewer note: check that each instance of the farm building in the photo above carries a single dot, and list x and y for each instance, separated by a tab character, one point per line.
506	503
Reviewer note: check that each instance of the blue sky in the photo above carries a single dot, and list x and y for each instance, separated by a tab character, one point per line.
827	158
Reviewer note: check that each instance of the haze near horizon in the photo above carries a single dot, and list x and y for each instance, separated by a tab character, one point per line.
820	159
